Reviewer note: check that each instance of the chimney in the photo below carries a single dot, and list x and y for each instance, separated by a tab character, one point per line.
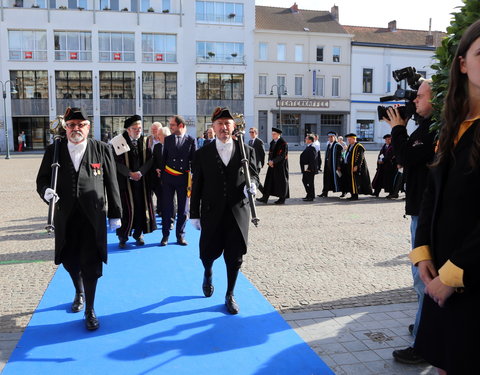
392	26
429	37
294	8
335	13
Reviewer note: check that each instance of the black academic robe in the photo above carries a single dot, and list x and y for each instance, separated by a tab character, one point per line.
276	180
356	182
216	188
386	170
449	224
88	190
126	163
259	147
333	161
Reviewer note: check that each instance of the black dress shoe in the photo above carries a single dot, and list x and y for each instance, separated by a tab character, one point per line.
262	200
343	195
91	321
164	241
181	241
307	199
78	302
231	305
139	241
352	198
207	286
323	195
280	201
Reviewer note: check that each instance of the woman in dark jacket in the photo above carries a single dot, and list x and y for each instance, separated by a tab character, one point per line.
447	243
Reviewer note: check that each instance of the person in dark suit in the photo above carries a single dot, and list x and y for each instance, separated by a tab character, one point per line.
134	162
309	168
219	207
259	147
178	152
276	180
332	166
86	180
209	136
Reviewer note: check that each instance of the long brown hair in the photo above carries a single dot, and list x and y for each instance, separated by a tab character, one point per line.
457	104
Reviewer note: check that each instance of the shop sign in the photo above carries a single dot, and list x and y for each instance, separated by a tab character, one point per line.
117	56
159	57
73	55
28	54
303	103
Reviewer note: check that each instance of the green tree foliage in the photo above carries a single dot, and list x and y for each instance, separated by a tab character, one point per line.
467	14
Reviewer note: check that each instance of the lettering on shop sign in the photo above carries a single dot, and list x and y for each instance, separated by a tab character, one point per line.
305	103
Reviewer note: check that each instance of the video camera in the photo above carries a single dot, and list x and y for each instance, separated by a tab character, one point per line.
414	80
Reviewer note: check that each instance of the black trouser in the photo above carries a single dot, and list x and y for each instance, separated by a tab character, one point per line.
170	186
308	182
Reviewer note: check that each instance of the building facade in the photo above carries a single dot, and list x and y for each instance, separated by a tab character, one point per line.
376	53
115	58
302	73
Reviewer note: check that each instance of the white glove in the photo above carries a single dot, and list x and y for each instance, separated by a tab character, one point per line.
49	194
114	223
253	190
196	224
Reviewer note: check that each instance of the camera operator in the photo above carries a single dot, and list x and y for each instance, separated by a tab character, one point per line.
414	153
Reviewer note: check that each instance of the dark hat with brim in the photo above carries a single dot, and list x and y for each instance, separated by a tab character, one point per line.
221	112
332	133
353	135
131	120
75	113
387	136
277	130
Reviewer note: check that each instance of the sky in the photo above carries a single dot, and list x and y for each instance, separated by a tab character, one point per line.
409	14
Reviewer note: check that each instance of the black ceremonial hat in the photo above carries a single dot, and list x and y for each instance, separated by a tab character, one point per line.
129	121
277	130
351	135
75	113
332	133
221	112
387	136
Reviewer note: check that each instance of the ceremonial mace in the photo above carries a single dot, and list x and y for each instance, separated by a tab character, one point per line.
239	133
57	128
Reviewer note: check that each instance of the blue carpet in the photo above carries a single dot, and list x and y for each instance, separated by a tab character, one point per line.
155	320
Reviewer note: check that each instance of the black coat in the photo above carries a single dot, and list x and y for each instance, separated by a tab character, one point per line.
356	182
259	148
414	153
449	223
276	180
333	161
309	160
386	170
180	158
89	192
157	157
214	190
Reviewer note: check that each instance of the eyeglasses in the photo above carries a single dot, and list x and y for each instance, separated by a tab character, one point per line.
80	125
252	132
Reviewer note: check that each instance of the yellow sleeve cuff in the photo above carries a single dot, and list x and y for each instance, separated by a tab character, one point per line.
451	275
420	253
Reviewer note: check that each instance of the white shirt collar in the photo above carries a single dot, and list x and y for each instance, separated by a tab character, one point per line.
76	152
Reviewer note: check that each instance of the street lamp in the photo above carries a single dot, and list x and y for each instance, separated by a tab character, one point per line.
281	89
4	92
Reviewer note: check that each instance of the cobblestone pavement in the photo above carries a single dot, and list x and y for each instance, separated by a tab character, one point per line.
323	255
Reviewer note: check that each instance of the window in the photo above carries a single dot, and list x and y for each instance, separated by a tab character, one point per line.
30	84
220	52
262	51
319	53
159	85
335	86
109	5
298	86
219	12
262	85
319	86
219	86
165	5
365	130
423	73
73	46
76	4
290	124
116	46
117	85
27	45
298	52
336	54
367	80
73	84
281	84
281	52
159	48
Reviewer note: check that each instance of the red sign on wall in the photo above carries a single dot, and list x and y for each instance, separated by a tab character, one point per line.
159	57
28	54
117	56
73	55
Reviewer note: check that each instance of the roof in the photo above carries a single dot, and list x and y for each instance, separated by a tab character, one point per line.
400	37
272	18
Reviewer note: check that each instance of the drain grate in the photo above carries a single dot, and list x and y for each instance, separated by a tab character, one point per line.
378	336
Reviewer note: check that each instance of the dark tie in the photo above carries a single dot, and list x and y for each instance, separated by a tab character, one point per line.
251	142
135	148
179	141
